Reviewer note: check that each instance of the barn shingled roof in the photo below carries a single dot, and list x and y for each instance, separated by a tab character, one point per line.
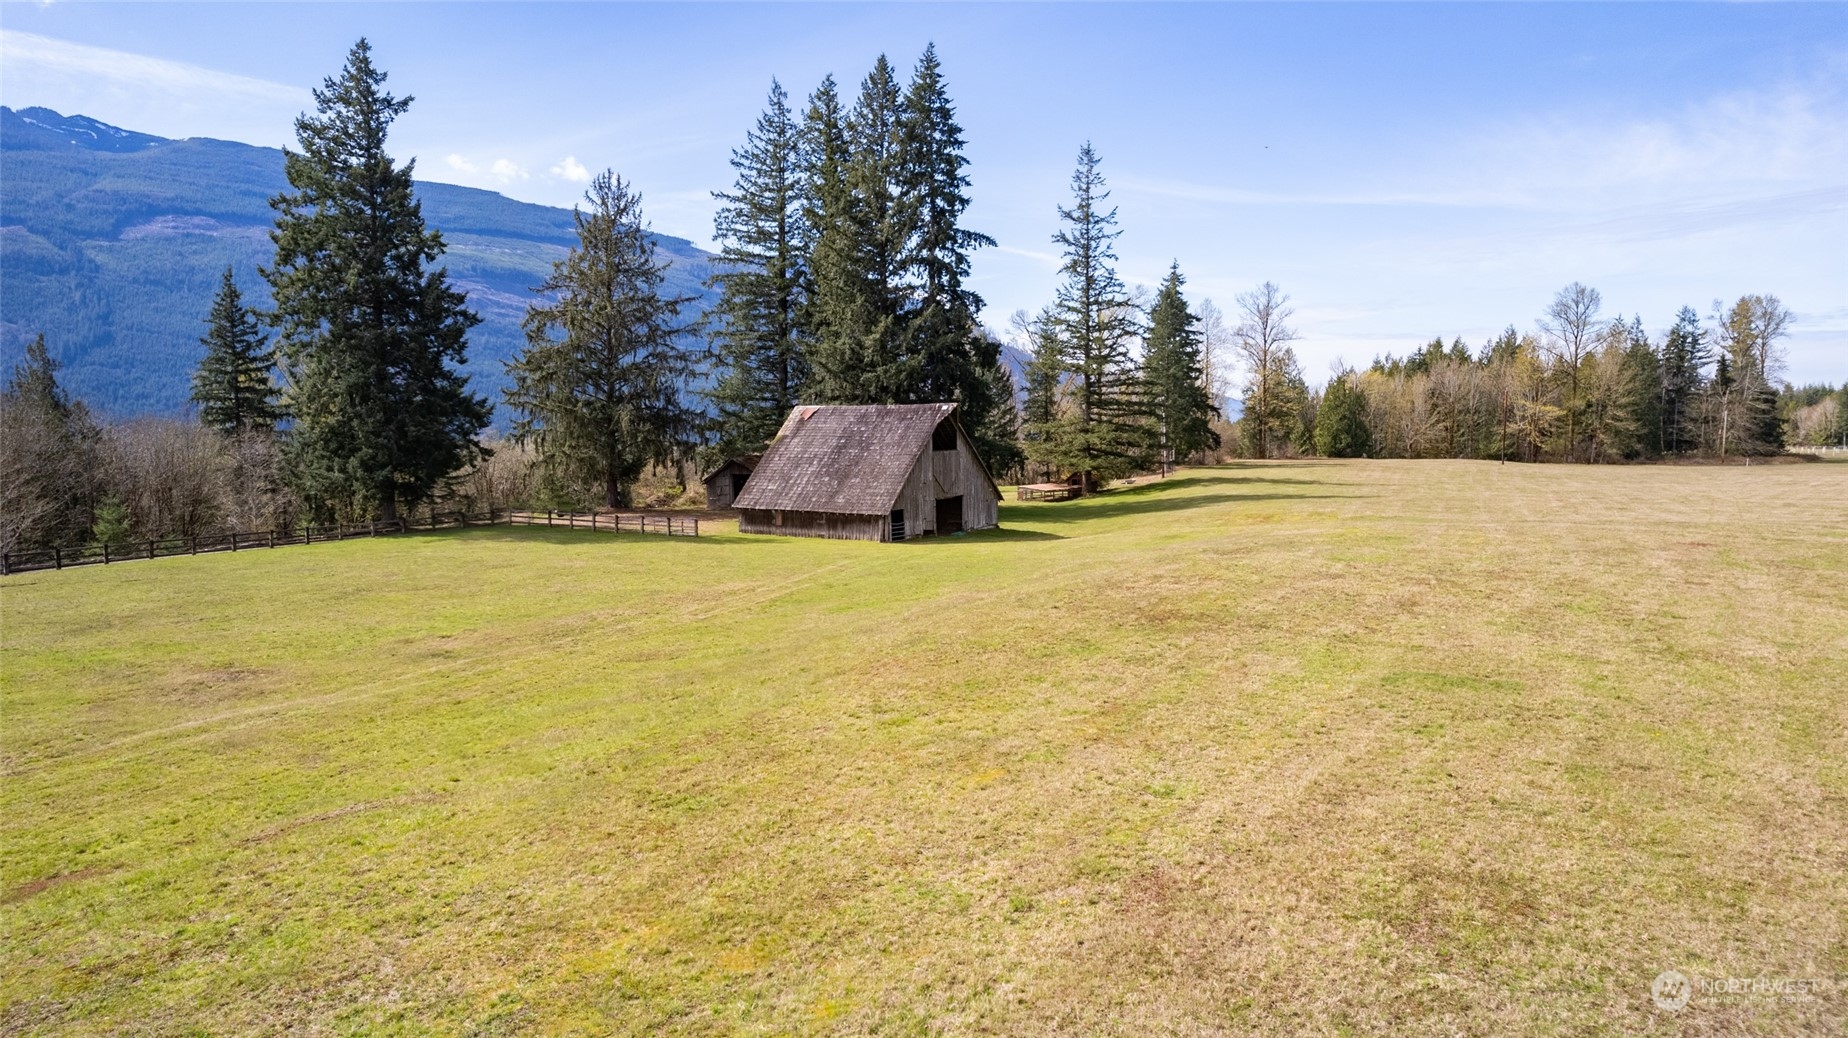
852	460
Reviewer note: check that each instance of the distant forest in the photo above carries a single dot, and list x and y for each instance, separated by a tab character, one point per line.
336	379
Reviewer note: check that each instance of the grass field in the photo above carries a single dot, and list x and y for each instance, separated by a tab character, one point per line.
1323	748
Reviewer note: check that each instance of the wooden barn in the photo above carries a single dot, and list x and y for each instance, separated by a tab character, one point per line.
725	483
885	472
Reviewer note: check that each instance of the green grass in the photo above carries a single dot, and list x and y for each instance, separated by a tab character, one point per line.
1330	748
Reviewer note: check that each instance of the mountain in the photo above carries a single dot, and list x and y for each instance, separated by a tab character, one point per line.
112	243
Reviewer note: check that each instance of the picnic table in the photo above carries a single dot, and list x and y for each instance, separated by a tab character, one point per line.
1045	492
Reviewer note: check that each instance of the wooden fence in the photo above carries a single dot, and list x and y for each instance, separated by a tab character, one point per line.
167	547
614	522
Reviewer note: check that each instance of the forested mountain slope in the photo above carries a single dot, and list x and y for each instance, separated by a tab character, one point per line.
112	243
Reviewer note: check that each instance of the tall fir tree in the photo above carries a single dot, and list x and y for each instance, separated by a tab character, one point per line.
1639	395
760	329
826	199
233	386
371	336
1101	435
862	228
956	360
953	359
49	463
1685	356
1173	374
995	430
599	389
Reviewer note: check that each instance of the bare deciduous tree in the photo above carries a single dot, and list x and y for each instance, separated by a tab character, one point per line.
1262	339
1215	352
1569	332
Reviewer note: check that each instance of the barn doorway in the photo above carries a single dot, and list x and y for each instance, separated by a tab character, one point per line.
949	514
738	479
898	524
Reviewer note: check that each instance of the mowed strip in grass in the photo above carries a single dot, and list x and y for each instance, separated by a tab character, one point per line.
1332	747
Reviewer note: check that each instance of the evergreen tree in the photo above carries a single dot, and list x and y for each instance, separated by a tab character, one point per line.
1102	435
862	226
995	433
233	387
114	525
1341	420
49	483
1173	373
943	328
1639	396
1045	373
1275	397
760	332
1685	356
371	336
825	200
599	386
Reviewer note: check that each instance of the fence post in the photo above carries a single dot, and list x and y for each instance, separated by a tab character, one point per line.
150	549
105	553
5	564
57	558
194	542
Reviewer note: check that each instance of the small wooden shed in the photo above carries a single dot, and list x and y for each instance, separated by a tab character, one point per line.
884	472
725	483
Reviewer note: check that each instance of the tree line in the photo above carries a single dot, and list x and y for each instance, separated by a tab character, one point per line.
1581	388
841	279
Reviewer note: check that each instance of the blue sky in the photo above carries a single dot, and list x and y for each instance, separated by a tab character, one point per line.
1402	171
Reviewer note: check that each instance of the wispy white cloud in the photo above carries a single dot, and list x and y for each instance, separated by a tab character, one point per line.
460	164
1049	259
153	95
1725	158
572	170
507	171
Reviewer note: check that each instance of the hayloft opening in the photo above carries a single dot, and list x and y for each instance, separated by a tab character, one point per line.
943	437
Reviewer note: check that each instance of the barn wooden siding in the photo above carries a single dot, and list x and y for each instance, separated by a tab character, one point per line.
943	474
719	483
834	525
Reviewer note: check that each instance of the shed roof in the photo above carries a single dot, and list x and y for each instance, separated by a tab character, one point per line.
747	462
851	459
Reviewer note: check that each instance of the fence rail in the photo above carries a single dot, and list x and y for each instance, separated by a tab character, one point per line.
167	547
614	522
